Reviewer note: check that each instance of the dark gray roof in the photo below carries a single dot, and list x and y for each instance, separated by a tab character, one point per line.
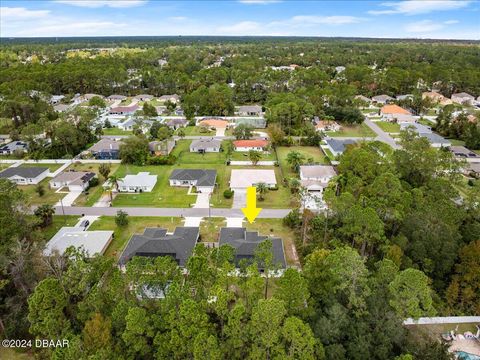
205	144
155	242
434	138
14	145
339	145
245	242
203	177
173	122
463	152
25	172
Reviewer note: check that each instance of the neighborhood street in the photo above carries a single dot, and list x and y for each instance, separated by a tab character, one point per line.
175	212
382	135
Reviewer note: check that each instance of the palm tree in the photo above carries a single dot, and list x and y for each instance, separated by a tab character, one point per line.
295	159
254	156
262	189
45	214
294	185
181	133
113	180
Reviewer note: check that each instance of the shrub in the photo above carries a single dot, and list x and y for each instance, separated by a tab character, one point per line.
227	194
40	190
292	220
93	182
121	219
162	160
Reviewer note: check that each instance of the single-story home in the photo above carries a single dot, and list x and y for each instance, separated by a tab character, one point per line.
172	98
214	123
244	178
382	99
161	148
115	97
176	123
106	149
203	180
61	107
22	175
88	97
391	112
363	99
93	242
461	152
205	145
417	127
257	122
13	147
156	242
56	99
316	177
436	140
247	145
74	180
327	125
462	98
4	138
143	97
124	110
338	146
246	242
433	95
404	118
249	110
141	182
404	97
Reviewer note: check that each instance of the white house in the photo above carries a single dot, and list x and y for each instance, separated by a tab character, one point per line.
241	179
143	97
203	180
247	145
74	180
25	175
142	182
382	99
327	125
249	110
315	178
93	242
463	98
172	98
205	145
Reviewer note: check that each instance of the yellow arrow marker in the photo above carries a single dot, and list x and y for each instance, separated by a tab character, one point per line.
251	211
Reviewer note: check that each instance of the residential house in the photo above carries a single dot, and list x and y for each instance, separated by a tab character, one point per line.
337	146
214	123
247	145
435	140
315	178
106	149
161	148
382	99
4	139
339	69
203	180
246	242
124	110
88	97
462	98
155	242
176	123
405	118
143	97
92	242
116	97
462	153
327	125
56	99
206	145
172	98
417	127
249	110
241	179
22	175
141	182
61	108
74	180
13	148
391	112
433	96
363	99
255	122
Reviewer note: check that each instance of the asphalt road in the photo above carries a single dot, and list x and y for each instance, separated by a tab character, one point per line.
175	212
382	135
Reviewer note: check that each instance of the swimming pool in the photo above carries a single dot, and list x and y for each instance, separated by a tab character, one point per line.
462	355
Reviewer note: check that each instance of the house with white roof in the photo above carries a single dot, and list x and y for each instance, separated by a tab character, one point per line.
241	179
462	98
314	179
92	242
141	182
249	110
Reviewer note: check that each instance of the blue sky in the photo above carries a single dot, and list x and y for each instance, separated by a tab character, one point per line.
444	19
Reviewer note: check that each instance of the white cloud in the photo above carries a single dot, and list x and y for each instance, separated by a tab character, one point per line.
259	2
102	3
329	20
424	26
450	22
241	28
21	13
178	18
76	28
414	7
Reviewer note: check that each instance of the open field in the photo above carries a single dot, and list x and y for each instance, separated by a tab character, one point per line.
184	156
361	130
136	225
50	197
308	151
51	166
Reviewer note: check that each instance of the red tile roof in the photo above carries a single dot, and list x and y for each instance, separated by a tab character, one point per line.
250	143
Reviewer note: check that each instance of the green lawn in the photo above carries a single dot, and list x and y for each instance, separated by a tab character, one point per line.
388	127
195	131
50	197
210	228
59	221
308	151
457	142
184	156
361	130
243	156
116	131
12	354
136	225
51	166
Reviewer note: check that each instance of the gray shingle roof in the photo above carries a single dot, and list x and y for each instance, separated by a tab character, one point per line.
25	172
339	145
155	242
203	177
245	242
205	144
434	138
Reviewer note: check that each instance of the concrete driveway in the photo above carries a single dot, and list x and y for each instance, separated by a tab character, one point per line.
220	132
69	199
203	200
239	198
382	135
234	222
192	221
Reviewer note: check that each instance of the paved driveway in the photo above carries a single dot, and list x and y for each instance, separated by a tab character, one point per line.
234	222
192	221
202	202
69	199
220	132
382	135
239	198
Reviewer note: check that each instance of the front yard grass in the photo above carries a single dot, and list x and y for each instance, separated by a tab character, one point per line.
136	225
308	151
195	131
51	166
116	131
243	156
184	156
361	130
210	228
388	127
59	221
50	197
